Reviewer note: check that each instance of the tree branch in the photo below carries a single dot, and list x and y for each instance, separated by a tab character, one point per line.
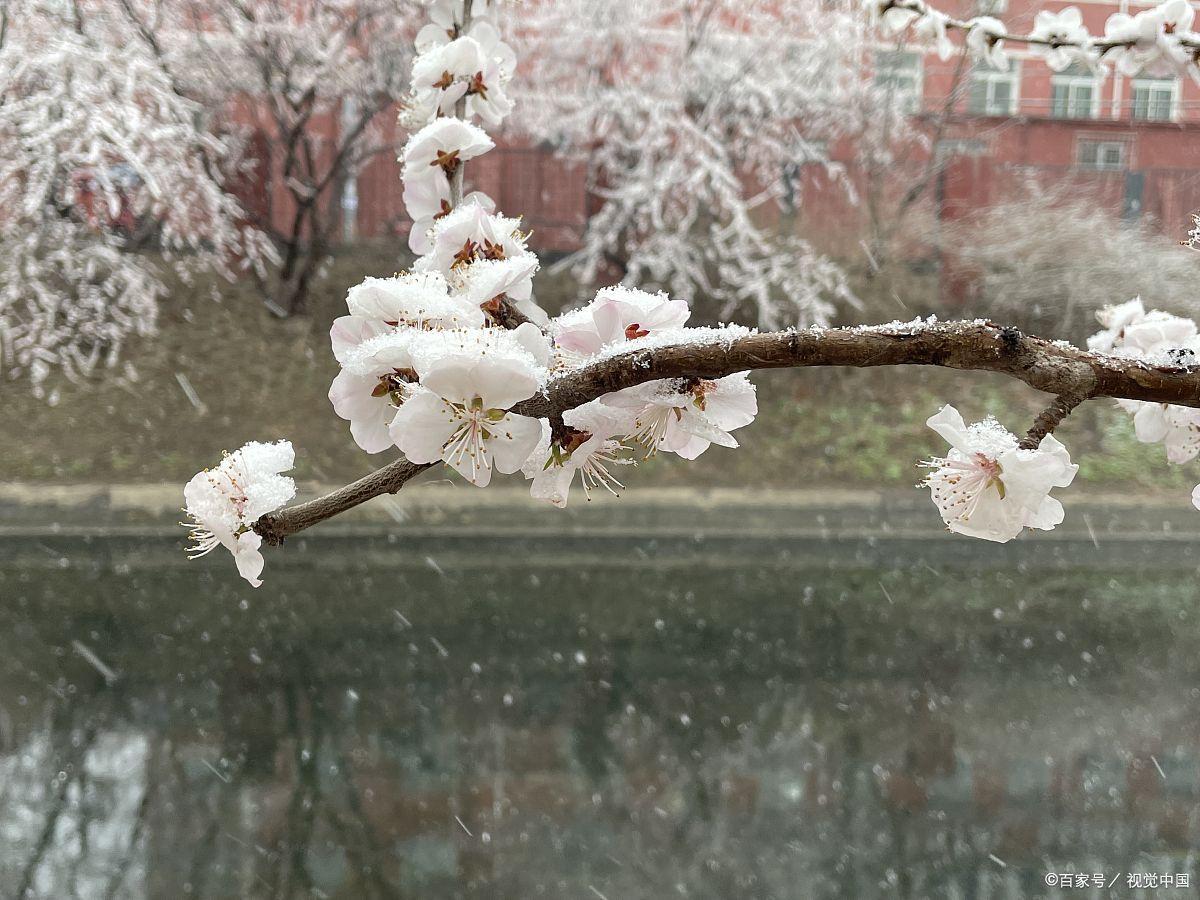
1049	418
1102	46
1071	374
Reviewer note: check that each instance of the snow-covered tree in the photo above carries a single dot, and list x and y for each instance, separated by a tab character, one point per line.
101	156
695	119
316	80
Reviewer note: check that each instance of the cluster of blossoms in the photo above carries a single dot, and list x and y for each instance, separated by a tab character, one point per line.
428	364
1158	37
1156	338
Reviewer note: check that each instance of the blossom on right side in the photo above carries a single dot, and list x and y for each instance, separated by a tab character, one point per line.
988	487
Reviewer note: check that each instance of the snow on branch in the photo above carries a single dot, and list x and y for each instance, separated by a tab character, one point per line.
1053	367
1160	35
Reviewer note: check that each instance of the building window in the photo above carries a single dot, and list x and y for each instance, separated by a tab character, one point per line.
1154	99
1103	155
900	71
1074	94
952	147
994	91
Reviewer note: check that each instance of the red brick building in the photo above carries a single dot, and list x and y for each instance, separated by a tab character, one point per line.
1132	144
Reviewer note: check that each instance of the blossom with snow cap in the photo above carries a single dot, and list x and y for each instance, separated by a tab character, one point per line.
589	446
437	193
431	158
1065	38
931	29
985	41
413	299
471	235
459	414
484	282
377	375
617	314
686	416
224	503
1148	37
894	18
461	68
987	486
1114	320
444	28
1156	337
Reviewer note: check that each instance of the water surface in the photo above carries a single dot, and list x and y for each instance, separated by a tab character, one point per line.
652	712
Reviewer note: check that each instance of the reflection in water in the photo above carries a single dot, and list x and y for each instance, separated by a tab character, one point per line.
615	727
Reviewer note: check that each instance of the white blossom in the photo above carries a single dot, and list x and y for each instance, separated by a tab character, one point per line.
1176	427
590	448
617	314
415	299
486	280
461	68
224	503
931	28
431	157
420	300
1159	338
376	377
470	235
1061	30
892	17
686	416
985	41
987	486
1149	36
459	414
1114	320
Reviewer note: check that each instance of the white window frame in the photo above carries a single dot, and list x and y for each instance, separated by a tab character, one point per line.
986	73
916	100
1100	142
1152	84
1071	82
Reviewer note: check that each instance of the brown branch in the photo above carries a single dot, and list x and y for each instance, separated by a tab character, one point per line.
1049	418
1071	374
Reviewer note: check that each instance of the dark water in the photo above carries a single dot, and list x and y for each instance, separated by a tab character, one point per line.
475	716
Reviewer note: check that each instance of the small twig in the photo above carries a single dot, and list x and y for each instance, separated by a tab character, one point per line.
1050	417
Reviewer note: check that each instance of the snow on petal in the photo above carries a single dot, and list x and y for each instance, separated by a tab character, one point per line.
223	503
987	486
617	314
417	299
